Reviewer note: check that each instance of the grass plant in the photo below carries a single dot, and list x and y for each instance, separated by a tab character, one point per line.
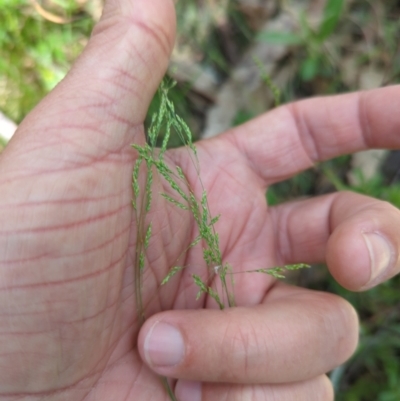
150	161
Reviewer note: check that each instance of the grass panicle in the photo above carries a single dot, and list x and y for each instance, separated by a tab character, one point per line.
171	273
150	160
279	271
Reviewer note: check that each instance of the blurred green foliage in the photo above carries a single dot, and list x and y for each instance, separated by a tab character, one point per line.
310	39
35	53
373	372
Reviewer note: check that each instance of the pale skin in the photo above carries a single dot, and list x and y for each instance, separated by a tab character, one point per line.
69	327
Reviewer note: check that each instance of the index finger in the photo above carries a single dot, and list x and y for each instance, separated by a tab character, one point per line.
291	138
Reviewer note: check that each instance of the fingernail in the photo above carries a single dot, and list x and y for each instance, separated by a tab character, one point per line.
188	391
380	253
164	345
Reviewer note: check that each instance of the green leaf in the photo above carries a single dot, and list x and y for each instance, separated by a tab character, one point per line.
280	38
309	69
332	13
306	31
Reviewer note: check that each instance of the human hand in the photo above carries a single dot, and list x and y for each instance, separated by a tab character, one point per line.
69	326
280	347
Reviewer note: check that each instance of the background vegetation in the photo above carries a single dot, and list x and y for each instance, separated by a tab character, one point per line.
266	51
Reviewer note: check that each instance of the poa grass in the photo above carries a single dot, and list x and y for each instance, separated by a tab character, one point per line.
150	160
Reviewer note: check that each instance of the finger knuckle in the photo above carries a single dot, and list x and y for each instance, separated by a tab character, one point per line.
243	345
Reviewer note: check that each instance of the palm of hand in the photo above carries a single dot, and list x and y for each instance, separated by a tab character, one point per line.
71	262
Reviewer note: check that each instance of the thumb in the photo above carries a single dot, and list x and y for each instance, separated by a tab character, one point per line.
99	108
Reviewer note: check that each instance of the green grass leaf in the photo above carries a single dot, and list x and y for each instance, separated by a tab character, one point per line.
332	13
281	38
